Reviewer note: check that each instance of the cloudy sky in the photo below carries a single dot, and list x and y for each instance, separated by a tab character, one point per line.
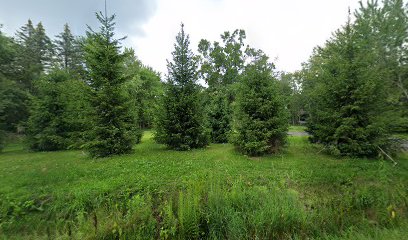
287	30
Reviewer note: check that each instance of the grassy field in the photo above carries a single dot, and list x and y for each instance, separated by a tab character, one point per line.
214	193
297	128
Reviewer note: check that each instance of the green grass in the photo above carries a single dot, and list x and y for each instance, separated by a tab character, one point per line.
401	136
211	193
297	128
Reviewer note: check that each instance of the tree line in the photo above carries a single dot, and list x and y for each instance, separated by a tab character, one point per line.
86	92
61	92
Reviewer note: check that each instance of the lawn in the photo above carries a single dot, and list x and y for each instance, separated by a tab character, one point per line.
297	128
212	193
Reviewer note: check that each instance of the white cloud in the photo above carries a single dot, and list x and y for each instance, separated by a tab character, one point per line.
288	30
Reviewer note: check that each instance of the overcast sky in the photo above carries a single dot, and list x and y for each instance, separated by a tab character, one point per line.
287	30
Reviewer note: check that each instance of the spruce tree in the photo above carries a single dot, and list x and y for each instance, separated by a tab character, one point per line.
58	113
181	122
261	120
44	48
35	53
46	128
114	127
29	66
68	51
347	94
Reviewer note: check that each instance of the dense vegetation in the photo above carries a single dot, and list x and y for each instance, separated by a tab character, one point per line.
75	164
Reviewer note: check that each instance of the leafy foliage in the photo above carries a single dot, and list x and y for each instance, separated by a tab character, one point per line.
291	88
114	129
387	26
219	115
144	88
181	123
221	65
14	104
13	98
261	119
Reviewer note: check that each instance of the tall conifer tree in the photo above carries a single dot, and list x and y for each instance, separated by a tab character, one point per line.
113	123
68	51
30	68
181	122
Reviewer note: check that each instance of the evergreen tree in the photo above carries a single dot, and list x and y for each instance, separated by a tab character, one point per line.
44	48
347	94
34	55
260	120
114	127
30	67
13	99
68	51
181	123
57	117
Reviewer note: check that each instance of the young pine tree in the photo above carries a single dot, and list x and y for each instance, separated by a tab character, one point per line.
181	123
261	120
114	127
